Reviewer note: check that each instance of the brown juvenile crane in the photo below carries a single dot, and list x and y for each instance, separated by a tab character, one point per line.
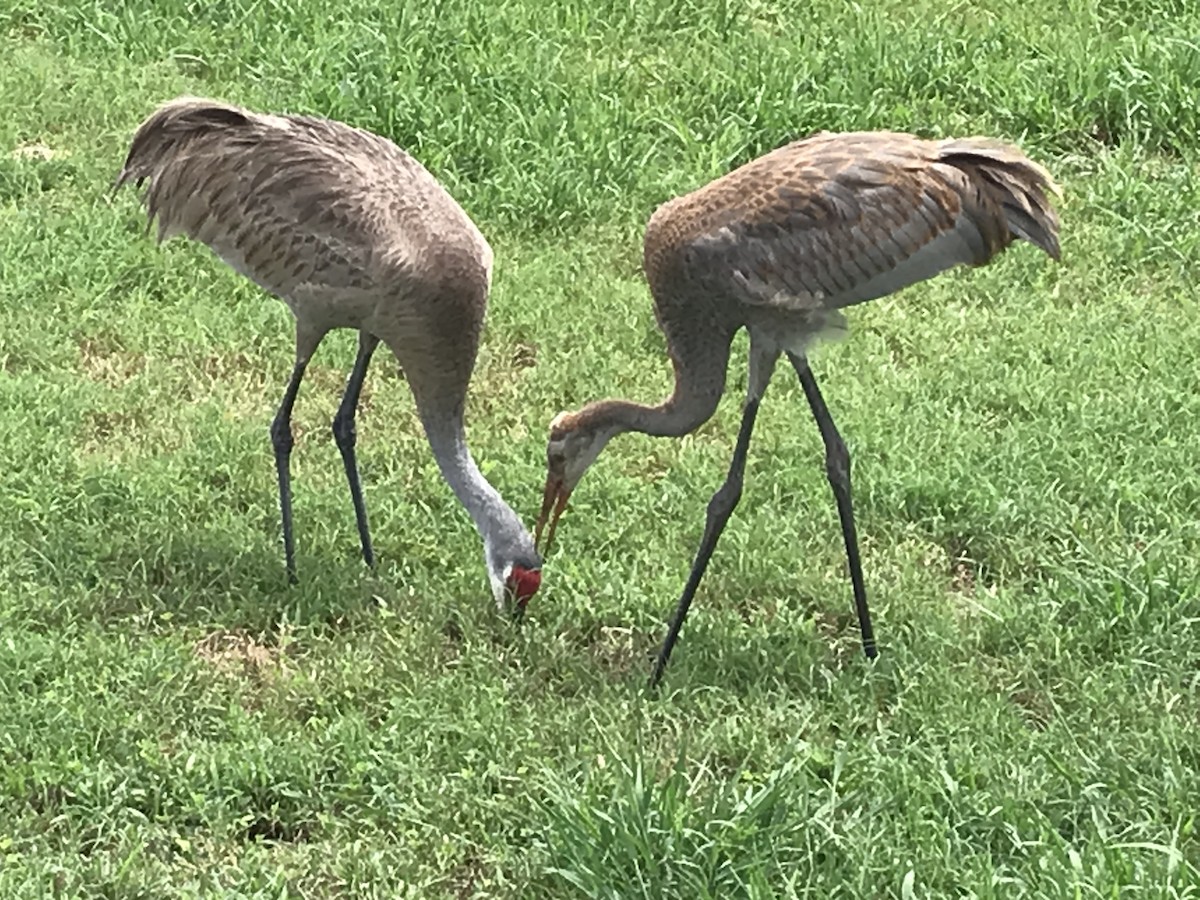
779	246
349	231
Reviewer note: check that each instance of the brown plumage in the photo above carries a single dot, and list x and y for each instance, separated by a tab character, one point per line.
779	246
349	231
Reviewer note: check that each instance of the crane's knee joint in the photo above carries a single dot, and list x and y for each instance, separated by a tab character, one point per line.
837	463
344	433
724	501
281	436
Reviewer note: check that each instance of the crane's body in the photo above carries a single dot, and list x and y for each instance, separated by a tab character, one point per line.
350	231
780	246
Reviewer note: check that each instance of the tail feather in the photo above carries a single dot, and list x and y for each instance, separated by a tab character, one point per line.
1018	183
163	139
168	126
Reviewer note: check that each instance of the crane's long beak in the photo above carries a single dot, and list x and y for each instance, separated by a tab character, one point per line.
554	501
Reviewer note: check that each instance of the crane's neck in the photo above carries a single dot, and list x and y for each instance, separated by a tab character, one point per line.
695	398
494	519
667	419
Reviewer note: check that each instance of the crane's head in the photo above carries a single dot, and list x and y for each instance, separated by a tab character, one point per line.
575	442
514	569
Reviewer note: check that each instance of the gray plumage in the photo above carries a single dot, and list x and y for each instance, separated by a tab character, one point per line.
780	246
350	231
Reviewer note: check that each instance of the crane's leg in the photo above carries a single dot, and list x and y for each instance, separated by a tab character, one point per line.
345	437
837	469
720	508
281	440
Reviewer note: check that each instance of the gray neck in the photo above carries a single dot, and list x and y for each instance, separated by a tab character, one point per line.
682	414
494	519
612	417
700	366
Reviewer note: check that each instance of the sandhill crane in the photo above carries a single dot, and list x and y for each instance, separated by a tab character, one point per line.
779	246
349	231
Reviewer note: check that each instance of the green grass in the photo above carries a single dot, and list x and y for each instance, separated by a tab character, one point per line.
176	721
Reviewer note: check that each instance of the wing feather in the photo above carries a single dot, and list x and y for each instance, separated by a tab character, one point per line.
291	202
836	220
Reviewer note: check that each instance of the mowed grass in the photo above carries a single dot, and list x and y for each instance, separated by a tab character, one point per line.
175	720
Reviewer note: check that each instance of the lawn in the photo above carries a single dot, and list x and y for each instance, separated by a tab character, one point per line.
177	721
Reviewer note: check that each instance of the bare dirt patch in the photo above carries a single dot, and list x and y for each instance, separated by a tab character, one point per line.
241	655
36	151
524	355
962	576
103	358
101	428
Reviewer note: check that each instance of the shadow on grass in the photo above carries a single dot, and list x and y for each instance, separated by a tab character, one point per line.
201	579
807	654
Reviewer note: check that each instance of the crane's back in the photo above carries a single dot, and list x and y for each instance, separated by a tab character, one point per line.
837	219
298	203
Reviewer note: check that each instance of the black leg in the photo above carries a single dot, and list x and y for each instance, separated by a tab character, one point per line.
837	468
344	435
720	508
281	439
